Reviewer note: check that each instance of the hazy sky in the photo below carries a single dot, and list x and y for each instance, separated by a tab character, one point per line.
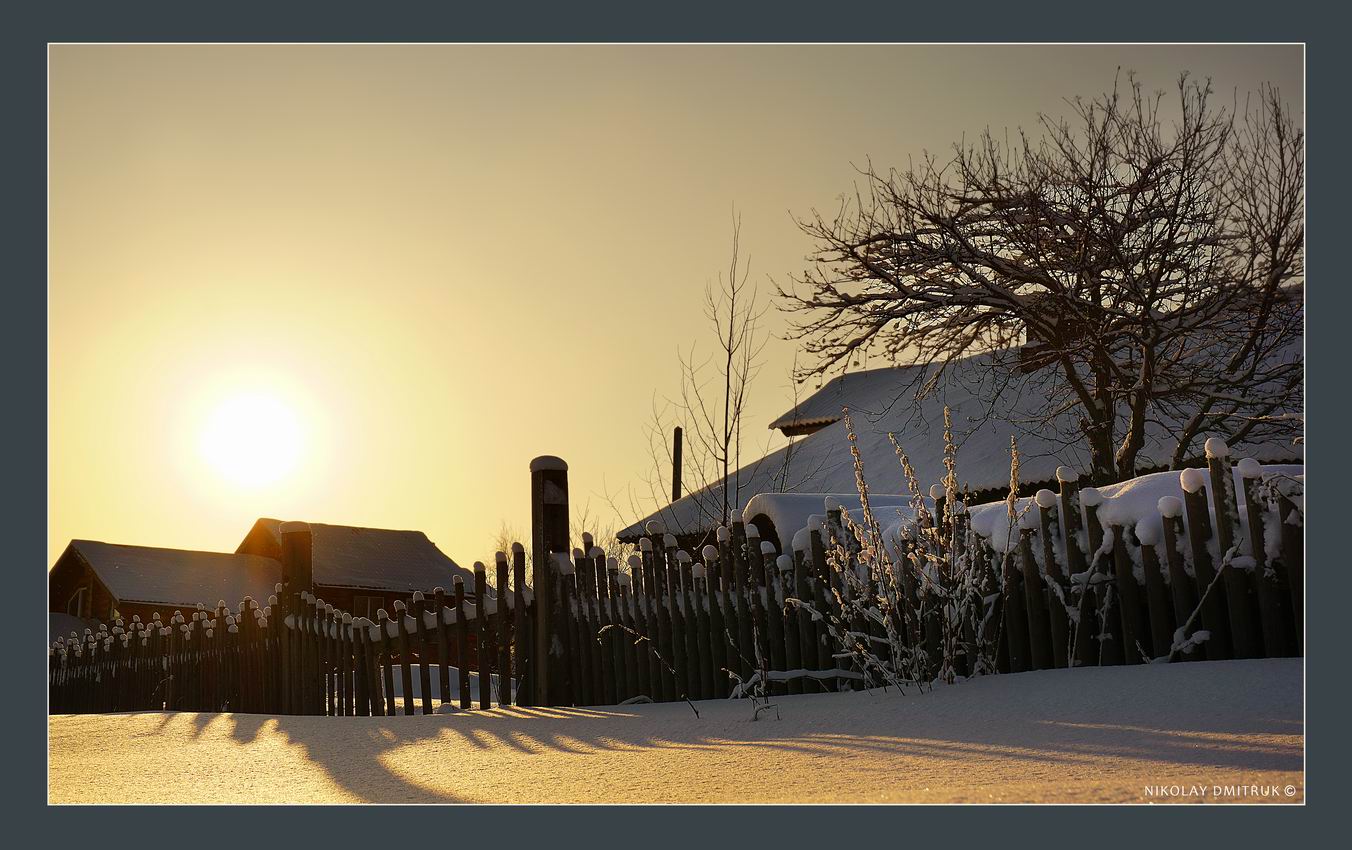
406	271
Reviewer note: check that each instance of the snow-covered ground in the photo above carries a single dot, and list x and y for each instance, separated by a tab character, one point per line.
1198	732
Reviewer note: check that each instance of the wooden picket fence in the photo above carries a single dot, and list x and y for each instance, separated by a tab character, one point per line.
298	655
1067	590
1197	576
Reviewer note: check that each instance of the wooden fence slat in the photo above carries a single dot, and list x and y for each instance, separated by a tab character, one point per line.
462	640
483	651
784	589
1129	601
824	641
1058	591
1293	562
1244	637
521	626
1035	605
1270	615
575	634
1182	587
425	640
443	644
504	630
625	686
1214	620
643	625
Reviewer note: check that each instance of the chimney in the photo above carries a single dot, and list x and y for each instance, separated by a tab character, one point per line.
297	557
676	463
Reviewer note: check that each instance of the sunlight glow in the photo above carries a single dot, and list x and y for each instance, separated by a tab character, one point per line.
252	440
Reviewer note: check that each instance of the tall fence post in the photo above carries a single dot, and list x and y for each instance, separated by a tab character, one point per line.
549	536
1243	636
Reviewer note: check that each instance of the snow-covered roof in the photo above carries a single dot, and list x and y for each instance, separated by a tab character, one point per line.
824	406
178	576
986	410
369	558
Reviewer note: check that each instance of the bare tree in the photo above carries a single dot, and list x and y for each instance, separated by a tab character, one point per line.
713	394
1137	274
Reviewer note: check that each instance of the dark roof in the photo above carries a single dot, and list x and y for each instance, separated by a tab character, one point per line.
367	558
178	576
61	624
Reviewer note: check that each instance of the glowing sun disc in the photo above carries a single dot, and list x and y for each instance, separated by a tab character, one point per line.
252	440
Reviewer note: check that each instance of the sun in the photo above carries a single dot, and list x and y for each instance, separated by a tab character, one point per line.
252	440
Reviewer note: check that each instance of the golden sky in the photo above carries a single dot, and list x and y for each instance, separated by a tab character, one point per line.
423	266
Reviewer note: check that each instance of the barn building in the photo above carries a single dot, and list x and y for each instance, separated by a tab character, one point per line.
359	570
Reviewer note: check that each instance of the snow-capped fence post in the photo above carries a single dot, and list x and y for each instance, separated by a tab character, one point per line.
671	560
728	601
665	684
391	706
601	636
586	665
1217	646
1243	635
774	614
718	645
443	645
522	625
1084	651
505	614
1109	618
1157	597
1129	599
643	625
406	673
284	639
1291	522
784	589
424	650
624	687
741	567
373	703
679	663
1058	592
361	695
690	624
807	635
1016	616
1181	587
483	650
461	640
1035	605
1270	616
549	535
758	617
823	605
573	629
631	655
704	638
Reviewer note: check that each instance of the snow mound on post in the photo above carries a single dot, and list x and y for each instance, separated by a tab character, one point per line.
1170	507
1216	448
1192	480
1066	475
709	553
1046	499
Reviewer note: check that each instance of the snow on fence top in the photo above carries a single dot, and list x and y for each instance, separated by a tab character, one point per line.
1128	504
